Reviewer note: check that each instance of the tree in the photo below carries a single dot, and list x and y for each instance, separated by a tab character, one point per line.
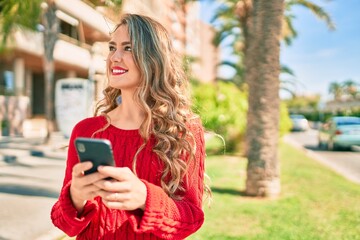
262	70
10	17
29	18
51	31
232	16
259	28
336	90
351	88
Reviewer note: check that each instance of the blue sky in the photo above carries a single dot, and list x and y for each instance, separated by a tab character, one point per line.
319	56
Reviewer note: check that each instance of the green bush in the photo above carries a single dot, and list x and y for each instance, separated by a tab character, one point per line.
285	122
222	108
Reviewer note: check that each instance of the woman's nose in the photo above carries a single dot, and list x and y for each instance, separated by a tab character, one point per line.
117	56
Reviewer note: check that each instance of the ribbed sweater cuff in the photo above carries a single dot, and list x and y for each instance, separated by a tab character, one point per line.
153	214
70	213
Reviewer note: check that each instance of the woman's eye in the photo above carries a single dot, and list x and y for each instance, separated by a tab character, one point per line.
128	48
111	48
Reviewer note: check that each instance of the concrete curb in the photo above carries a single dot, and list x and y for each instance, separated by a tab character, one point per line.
346	174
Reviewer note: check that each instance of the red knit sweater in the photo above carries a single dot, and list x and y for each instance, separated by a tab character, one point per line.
163	217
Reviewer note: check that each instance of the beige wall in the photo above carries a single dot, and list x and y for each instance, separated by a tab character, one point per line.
205	69
198	34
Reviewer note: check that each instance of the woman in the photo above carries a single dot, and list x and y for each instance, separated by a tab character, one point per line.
157	185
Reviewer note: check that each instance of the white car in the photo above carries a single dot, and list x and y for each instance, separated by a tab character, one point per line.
299	122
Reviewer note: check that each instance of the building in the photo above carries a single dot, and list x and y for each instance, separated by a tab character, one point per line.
191	36
79	52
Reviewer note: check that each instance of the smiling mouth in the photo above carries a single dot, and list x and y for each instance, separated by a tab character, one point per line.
118	71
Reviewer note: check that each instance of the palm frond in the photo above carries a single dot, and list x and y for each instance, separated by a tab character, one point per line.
286	69
18	13
316	10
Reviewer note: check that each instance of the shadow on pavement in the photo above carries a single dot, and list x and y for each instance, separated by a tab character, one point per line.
22	177
316	148
227	191
27	191
313	148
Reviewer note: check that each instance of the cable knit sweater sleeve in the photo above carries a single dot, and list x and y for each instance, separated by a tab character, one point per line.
63	214
175	219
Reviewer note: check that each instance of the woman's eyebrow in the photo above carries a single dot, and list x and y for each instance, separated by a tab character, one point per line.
123	43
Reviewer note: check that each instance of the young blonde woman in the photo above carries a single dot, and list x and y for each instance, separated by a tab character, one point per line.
156	187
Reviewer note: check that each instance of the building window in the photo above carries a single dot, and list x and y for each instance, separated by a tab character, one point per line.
69	30
7	86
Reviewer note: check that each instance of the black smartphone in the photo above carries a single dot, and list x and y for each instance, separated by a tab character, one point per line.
96	150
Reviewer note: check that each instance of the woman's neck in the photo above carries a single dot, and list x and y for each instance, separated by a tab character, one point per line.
127	115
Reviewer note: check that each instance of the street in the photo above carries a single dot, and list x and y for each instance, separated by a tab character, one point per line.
346	163
29	187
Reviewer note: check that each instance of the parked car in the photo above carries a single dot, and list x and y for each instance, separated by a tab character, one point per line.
299	122
340	132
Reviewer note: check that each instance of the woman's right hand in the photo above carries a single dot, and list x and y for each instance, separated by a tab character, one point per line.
82	187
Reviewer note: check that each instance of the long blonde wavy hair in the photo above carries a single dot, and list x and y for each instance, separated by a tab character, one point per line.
162	95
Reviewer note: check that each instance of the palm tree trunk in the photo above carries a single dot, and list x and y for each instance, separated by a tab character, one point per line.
51	25
262	69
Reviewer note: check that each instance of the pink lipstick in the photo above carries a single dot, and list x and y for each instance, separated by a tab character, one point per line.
118	70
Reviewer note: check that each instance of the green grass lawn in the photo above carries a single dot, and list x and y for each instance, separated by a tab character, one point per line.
315	202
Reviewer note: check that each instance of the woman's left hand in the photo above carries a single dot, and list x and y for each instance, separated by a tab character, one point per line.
124	191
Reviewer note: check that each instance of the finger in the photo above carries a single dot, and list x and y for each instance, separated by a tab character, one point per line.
84	192
114	196
91	190
111	196
80	168
115	205
117	173
94	177
114	186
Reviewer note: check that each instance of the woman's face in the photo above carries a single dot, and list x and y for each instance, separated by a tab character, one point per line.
122	70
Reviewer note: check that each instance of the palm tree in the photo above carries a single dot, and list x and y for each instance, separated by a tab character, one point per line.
232	15
51	31
262	70
351	88
10	17
29	18
288	32
260	49
336	90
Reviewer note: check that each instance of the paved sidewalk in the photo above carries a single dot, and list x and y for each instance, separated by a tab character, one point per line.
55	148
349	173
31	174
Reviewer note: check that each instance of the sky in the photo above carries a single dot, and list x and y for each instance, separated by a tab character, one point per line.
318	56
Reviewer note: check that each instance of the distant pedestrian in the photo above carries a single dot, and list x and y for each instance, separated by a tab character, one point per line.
157	184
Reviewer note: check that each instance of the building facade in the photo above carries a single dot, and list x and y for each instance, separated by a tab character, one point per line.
80	50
